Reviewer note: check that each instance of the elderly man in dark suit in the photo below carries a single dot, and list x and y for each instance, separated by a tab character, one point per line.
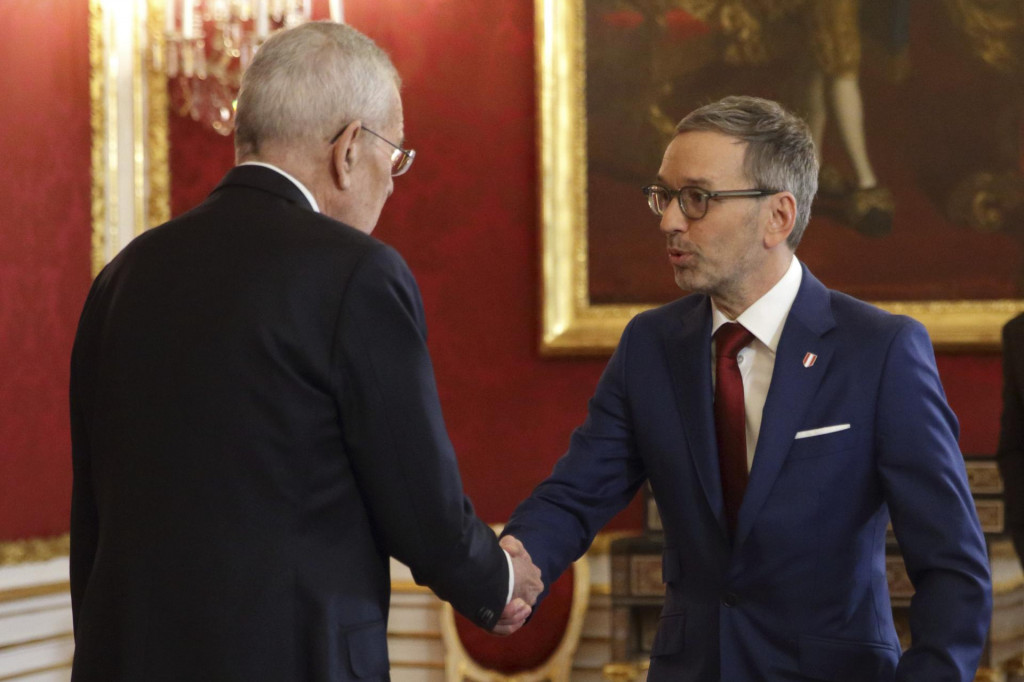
255	423
781	426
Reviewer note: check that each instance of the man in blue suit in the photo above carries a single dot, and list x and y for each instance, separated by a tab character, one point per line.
775	514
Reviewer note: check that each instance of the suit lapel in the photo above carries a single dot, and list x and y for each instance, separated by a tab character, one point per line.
689	351
792	390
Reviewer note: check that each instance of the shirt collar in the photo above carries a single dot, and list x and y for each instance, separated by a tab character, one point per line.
767	315
302	188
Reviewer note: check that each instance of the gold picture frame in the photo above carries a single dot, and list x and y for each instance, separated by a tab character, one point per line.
129	109
571	323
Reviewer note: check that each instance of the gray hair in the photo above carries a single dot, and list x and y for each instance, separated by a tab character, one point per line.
780	150
307	82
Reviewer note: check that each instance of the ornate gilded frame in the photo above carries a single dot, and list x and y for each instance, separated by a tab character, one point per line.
571	324
129	109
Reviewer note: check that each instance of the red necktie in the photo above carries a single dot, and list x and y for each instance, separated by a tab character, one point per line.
730	418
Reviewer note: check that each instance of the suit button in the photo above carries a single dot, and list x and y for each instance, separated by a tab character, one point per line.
485	615
730	599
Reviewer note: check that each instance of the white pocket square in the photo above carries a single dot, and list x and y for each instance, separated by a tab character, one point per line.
810	433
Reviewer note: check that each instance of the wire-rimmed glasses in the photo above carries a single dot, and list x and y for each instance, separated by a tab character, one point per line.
401	159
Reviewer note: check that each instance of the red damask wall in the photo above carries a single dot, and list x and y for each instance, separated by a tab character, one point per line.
44	252
465	218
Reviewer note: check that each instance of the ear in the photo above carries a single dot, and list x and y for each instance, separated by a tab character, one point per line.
781	209
345	154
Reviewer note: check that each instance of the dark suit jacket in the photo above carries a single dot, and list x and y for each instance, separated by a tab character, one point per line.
255	430
1011	433
801	594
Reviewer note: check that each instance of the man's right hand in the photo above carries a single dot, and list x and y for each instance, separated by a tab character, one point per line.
527	588
528	584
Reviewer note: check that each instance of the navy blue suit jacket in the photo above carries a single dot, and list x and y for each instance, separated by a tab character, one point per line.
801	593
255	429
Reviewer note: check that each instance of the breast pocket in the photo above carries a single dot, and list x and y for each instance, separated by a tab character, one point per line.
829	443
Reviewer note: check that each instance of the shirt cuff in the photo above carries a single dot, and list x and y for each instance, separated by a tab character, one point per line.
511	577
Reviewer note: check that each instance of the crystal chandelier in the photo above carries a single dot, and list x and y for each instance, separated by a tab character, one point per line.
209	43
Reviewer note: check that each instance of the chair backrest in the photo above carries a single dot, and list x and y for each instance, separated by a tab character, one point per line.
471	654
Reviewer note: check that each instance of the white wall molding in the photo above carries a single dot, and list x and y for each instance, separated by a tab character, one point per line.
36	642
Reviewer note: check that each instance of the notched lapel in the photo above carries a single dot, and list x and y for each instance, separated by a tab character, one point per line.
794	385
689	353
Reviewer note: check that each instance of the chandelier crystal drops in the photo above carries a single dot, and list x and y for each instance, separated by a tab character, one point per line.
209	43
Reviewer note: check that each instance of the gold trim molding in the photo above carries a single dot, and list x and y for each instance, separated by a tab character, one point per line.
34	549
19	593
97	122
157	133
571	324
129	109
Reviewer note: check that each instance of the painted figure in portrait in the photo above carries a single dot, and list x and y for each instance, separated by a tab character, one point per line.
917	108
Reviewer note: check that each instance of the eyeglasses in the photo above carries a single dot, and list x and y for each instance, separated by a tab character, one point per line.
693	201
401	159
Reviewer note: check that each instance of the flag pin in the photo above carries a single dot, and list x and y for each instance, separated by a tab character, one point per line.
809	359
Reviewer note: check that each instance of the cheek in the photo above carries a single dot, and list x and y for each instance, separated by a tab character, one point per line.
714	245
734	243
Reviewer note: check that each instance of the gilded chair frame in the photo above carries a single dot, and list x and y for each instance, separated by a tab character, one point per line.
460	666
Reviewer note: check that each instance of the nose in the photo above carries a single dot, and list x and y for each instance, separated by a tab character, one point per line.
673	220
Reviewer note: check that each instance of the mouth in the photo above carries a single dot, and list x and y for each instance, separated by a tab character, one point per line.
681	257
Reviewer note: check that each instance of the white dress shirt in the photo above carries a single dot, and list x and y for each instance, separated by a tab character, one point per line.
316	207
765	319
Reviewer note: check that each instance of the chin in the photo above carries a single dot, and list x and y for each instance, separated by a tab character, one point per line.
687	281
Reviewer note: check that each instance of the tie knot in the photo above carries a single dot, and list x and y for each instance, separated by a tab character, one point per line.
731	338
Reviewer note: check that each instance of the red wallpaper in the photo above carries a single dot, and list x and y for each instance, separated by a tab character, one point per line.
465	218
44	252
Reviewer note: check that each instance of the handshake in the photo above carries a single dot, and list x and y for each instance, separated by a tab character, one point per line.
528	586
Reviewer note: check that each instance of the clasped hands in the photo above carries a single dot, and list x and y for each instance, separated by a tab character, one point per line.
528	586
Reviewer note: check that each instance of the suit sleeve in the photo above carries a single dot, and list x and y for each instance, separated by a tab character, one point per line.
592	482
933	515
1010	454
401	456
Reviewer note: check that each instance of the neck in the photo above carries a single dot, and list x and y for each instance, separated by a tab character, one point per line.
297	161
734	303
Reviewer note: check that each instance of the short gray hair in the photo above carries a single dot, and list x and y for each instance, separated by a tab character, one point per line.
306	82
780	149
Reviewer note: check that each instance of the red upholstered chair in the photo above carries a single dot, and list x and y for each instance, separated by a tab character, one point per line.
543	649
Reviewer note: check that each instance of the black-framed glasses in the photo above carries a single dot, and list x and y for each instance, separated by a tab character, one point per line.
401	159
694	201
